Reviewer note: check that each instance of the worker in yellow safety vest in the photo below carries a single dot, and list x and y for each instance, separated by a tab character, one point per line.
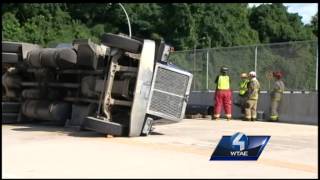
243	91
223	95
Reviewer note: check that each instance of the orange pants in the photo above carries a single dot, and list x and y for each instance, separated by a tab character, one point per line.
223	98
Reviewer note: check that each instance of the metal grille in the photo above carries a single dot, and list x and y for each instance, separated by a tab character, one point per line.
171	81
166	103
168	93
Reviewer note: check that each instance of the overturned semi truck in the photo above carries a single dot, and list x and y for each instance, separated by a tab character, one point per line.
121	87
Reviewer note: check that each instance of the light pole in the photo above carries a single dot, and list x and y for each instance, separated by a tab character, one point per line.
127	18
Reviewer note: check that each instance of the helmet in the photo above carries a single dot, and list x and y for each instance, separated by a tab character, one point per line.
243	75
277	74
252	74
224	69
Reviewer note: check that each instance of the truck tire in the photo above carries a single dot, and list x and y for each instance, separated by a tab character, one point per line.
33	58
31	94
10	57
66	58
10	107
11	47
121	42
48	57
53	58
9	118
45	110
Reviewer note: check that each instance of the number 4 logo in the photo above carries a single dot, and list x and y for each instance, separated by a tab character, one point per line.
239	141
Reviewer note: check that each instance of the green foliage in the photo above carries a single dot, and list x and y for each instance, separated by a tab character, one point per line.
275	24
43	24
11	28
182	25
226	25
313	26
314	23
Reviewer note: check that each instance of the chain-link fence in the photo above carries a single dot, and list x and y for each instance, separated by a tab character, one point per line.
298	61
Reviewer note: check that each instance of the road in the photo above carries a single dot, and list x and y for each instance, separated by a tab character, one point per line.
180	150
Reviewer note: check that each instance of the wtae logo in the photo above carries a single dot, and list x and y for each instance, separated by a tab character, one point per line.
239	143
240	147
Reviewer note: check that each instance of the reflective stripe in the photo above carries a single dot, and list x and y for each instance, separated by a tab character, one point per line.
243	87
273	117
217	115
228	115
254	89
223	82
242	92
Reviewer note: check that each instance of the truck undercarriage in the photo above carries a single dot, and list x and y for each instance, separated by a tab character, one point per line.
120	87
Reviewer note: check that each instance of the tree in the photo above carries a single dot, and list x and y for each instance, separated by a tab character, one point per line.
11	27
42	24
226	25
314	24
275	24
180	24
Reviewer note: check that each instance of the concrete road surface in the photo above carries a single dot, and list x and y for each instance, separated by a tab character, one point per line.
180	150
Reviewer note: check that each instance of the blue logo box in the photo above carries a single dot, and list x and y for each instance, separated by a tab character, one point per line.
240	147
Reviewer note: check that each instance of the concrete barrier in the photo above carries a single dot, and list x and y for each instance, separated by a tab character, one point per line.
295	107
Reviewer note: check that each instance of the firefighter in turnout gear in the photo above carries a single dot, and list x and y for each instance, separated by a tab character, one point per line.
252	98
243	91
276	95
223	95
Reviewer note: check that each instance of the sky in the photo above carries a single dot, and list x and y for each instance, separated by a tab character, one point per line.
305	10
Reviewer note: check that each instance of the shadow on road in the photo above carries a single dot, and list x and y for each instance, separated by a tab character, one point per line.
70	131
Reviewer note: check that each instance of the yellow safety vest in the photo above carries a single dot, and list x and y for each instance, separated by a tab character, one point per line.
243	87
223	82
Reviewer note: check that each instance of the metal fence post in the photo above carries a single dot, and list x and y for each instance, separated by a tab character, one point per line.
317	60
194	67
255	60
207	73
